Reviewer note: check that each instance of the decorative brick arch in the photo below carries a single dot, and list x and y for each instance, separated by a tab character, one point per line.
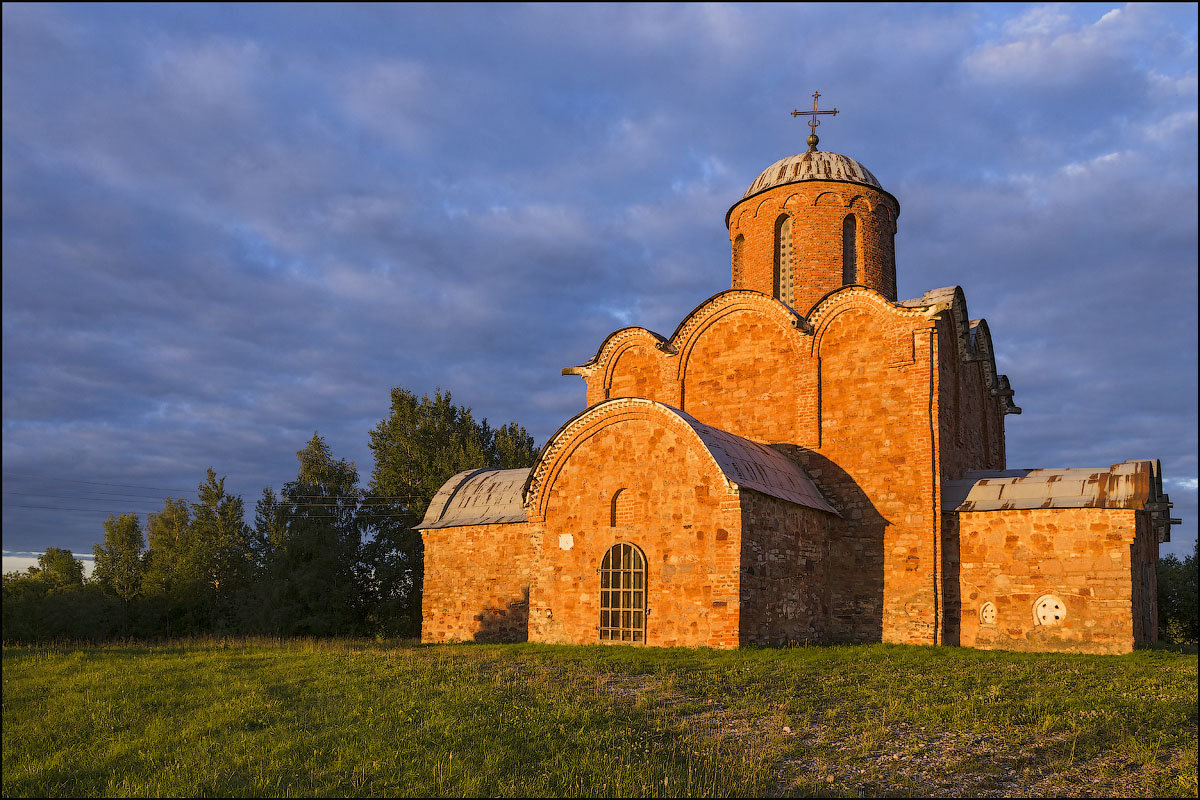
737	223
638	338
848	298
830	198
583	426
791	325
612	346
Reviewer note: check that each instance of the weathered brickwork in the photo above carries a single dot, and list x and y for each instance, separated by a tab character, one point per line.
818	209
784	581
477	583
877	385
1090	558
685	519
636	372
971	419
739	374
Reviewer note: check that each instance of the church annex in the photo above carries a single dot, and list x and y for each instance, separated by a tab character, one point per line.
806	458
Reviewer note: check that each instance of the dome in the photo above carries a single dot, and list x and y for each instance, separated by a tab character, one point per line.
812	166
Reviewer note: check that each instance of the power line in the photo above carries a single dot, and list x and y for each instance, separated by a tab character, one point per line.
127	511
368	502
410	496
97	483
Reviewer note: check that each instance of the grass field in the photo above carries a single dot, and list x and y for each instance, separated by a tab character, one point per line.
343	717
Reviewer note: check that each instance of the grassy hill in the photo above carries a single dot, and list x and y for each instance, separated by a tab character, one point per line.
343	717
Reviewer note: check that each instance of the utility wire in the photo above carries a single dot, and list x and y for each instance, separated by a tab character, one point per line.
367	502
105	511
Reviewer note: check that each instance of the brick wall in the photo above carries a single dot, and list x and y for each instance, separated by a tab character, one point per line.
1083	556
636	372
818	209
877	460
784	574
970	419
740	375
681	514
477	583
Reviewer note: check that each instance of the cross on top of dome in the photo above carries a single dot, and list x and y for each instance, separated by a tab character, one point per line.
813	139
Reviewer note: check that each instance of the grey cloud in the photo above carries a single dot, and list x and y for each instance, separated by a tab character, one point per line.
222	232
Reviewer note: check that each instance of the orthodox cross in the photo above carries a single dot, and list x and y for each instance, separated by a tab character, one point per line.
812	136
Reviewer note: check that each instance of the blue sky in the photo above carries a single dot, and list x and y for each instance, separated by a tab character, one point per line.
226	227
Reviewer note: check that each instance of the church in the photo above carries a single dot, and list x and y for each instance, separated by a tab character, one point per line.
807	458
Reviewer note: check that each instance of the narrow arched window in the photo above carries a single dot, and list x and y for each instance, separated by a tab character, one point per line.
620	512
623	594
849	250
736	283
783	259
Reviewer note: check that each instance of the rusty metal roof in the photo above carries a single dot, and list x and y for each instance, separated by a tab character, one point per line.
755	466
477	497
1129	484
818	166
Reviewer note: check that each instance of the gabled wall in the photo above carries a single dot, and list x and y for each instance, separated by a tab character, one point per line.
673	504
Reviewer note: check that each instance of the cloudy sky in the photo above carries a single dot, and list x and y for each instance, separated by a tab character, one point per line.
225	227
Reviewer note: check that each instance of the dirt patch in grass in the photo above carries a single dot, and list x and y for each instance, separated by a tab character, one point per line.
831	755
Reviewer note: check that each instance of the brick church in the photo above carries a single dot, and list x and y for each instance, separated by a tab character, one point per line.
806	458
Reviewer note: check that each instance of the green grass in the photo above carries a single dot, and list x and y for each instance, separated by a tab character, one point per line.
259	717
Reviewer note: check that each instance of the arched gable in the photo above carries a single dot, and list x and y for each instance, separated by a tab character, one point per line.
790	324
972	339
839	301
613	344
738	462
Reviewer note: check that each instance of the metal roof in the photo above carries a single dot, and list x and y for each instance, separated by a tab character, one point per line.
477	497
1129	484
818	166
755	466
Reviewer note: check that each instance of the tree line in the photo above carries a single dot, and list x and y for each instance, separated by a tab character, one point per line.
323	556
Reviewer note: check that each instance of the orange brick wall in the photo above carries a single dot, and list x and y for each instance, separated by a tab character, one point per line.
1084	556
857	399
877	459
818	209
686	521
477	583
740	375
784	575
636	372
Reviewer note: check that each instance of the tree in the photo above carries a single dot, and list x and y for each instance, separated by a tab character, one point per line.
310	542
53	601
119	563
167	533
198	562
417	447
1177	595
220	559
59	568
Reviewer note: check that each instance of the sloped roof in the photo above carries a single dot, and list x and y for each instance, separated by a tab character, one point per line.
477	497
755	466
1129	484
